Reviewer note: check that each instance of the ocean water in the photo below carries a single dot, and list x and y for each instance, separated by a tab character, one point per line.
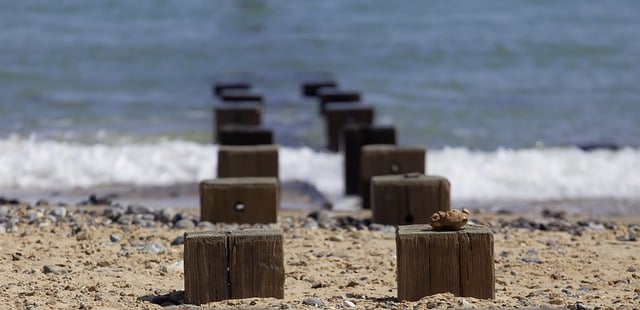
102	93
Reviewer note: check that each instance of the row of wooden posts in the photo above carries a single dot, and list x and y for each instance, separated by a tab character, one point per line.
390	179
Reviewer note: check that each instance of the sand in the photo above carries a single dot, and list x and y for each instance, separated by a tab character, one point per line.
74	260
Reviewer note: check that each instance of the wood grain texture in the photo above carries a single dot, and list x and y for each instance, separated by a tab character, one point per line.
257	263
235	134
354	137
205	267
248	161
219	199
460	262
337	115
384	159
409	198
236	114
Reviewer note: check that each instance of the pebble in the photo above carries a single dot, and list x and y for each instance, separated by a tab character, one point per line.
184	224
138	209
153	247
310	223
178	240
348	303
173	267
206	224
463	303
125	219
54	269
59	212
313	301
113	212
166	215
4	211
115	237
2	229
336	238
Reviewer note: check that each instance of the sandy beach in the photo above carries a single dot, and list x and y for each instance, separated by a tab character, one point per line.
131	257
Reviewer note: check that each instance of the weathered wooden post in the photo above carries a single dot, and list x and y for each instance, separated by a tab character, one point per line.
355	136
240	114
408	199
338	115
248	161
431	262
334	95
239	200
310	87
383	159
222	85
221	265
245	135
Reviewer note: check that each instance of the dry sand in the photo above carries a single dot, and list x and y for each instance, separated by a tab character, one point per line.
55	260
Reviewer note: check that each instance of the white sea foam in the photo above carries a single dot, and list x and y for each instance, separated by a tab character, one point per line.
529	174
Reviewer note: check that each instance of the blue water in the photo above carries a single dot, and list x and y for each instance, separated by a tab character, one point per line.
481	74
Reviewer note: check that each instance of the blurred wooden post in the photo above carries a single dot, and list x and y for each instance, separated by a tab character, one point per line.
431	262
206	277
239	200
233	264
256	263
383	159
244	135
338	115
408	199
240	95
240	114
311	87
355	136
220	86
334	95
248	161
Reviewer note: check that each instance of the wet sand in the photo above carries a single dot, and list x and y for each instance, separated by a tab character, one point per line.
89	257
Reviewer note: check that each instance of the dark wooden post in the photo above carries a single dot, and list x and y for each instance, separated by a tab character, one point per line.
239	200
408	199
431	262
222	85
383	159
240	114
355	136
338	115
311	87
248	161
244	135
334	95
226	264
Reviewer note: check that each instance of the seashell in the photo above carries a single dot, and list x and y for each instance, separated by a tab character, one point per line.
449	220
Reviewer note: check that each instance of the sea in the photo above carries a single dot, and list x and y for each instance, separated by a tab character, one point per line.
503	94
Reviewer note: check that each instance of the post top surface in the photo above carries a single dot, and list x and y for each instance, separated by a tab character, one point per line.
391	147
223	233
248	148
407	178
244	106
424	229
240	181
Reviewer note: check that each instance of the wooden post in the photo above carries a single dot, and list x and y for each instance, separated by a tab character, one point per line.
222	85
205	267
311	87
256	263
244	135
355	136
408	199
248	161
232	264
334	95
239	200
431	262
382	159
240	114
240	95
338	115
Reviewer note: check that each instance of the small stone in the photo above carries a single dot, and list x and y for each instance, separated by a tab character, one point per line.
2	229
59	212
313	301
532	260
184	224
125	219
55	269
173	267
449	220
178	241
310	223
348	303
631	269
138	209
581	306
463	303
113	212
4	210
153	247
336	238
115	237
16	256
206	224
166	215
514	273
